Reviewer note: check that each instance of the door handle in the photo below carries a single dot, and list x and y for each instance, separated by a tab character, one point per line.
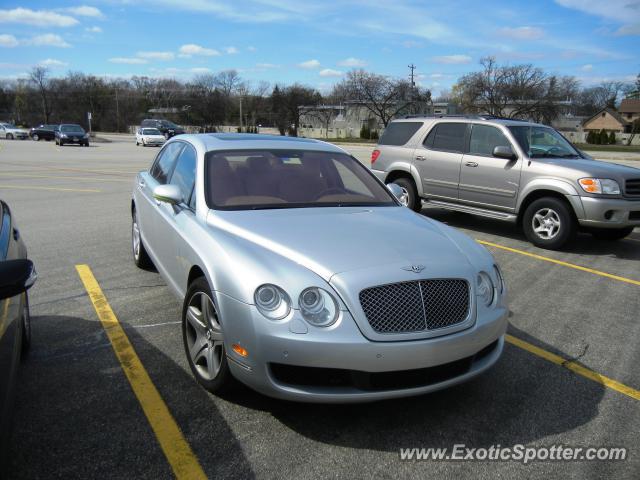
419	157
471	164
16	234
141	183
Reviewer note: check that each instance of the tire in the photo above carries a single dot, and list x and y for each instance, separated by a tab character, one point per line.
36	137
60	144
9	136
166	136
553	220
203	339
414	202
611	234
140	256
26	329
86	144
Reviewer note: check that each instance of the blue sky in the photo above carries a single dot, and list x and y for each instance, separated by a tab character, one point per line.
316	41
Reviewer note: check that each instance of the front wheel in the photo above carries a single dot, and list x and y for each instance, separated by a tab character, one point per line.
36	137
549	223
410	193
140	256
9	136
203	339
611	234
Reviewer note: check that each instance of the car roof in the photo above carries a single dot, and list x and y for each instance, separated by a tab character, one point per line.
251	141
488	119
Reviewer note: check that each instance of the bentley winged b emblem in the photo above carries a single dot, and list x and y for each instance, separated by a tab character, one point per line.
414	268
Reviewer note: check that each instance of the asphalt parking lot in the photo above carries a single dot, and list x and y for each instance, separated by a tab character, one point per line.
569	375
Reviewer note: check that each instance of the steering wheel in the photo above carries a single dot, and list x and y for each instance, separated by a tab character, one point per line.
330	191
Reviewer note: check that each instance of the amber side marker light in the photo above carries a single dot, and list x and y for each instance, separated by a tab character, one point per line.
240	350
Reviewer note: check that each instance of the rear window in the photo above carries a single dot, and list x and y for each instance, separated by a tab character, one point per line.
399	133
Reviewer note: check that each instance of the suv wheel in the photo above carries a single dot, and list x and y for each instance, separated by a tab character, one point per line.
203	338
611	234
9	136
36	137
409	189
548	223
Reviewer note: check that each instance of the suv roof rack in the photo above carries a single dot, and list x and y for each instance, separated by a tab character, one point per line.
468	117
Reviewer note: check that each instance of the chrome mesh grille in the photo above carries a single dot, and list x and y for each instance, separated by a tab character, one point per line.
632	187
416	306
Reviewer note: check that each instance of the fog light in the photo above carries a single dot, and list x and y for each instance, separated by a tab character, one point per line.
240	350
608	214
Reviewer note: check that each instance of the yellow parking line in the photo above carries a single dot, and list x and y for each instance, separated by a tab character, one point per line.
183	461
55	189
89	179
564	264
575	367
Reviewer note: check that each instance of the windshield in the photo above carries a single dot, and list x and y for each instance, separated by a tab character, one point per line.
71	129
8	125
151	131
541	142
265	179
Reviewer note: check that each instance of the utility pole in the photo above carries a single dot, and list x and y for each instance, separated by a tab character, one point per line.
117	112
240	113
412	67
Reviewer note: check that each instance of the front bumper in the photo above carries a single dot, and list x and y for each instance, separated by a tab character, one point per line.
610	212
274	346
20	135
78	140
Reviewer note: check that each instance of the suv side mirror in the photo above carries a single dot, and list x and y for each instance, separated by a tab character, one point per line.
504	152
170	194
16	277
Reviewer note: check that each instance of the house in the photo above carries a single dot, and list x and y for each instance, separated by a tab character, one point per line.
608	120
630	109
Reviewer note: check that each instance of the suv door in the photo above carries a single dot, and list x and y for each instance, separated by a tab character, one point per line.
487	180
147	206
174	220
438	159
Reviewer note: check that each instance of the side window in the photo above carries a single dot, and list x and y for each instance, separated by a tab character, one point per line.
449	137
399	133
163	166
428	142
184	175
485	138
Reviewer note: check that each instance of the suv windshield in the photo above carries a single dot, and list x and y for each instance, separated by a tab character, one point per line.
151	131
541	142
265	179
71	129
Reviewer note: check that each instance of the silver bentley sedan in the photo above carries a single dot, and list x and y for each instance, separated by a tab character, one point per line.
304	277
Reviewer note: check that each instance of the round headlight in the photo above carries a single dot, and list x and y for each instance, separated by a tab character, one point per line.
501	284
318	307
272	301
485	288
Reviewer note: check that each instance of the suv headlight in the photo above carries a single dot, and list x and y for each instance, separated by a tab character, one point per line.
600	185
272	301
485	288
318	307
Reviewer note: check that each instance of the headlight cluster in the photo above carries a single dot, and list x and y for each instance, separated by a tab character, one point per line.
317	306
600	185
487	289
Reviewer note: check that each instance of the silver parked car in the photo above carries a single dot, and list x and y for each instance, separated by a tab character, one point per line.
303	277
509	170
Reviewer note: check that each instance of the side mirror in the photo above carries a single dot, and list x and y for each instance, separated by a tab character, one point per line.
504	152
16	277
400	193
170	194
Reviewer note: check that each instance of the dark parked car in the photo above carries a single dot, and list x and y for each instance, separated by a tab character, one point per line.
167	128
71	133
17	275
43	132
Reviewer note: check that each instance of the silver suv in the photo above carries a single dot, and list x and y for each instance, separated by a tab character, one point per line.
509	170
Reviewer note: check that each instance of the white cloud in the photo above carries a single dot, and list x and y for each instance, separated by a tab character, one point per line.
352	62
128	60
266	66
411	44
231	50
200	70
310	64
8	41
156	55
85	11
626	12
38	18
633	29
47	40
586	68
191	49
94	29
522	33
53	63
327	72
452	59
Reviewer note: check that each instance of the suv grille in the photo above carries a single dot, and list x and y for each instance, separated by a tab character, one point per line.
416	306
632	187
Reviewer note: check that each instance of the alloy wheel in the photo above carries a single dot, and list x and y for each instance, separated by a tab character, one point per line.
205	341
135	237
546	223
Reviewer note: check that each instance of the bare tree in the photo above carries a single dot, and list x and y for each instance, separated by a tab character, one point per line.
39	75
382	96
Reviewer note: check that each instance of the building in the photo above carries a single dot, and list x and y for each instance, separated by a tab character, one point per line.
608	120
630	109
